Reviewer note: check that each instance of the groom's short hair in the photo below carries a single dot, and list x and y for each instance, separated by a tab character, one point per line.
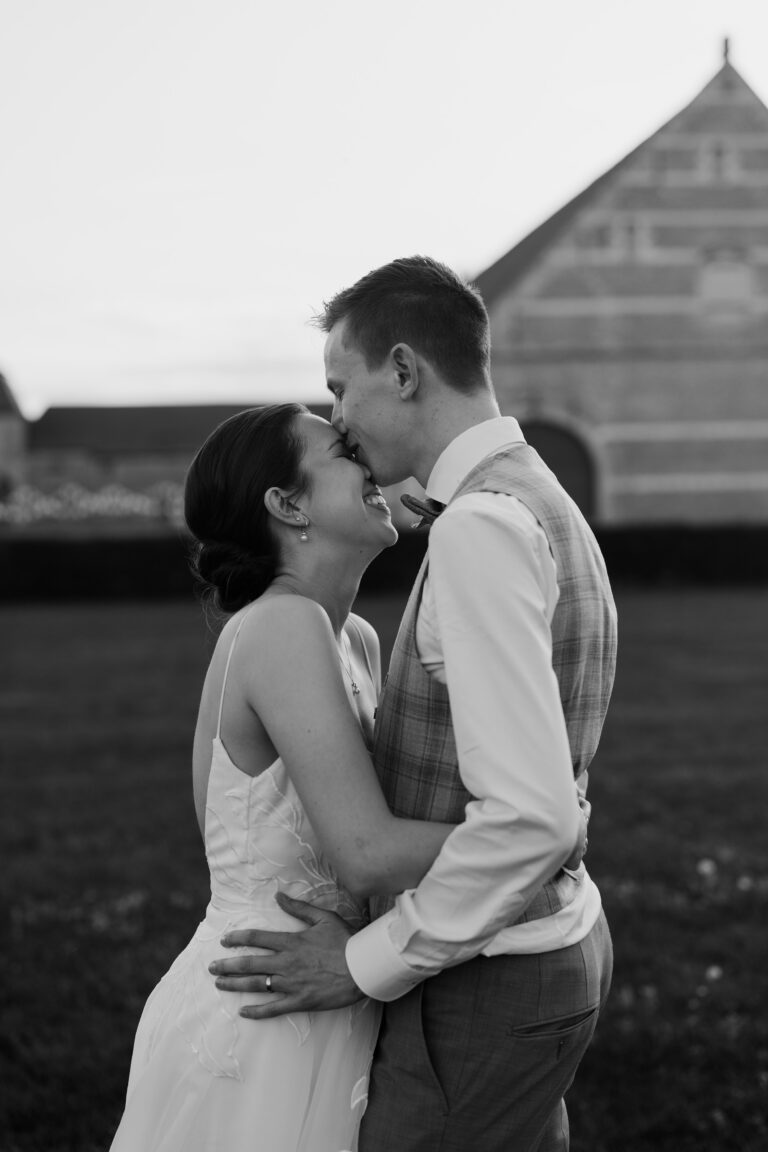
420	302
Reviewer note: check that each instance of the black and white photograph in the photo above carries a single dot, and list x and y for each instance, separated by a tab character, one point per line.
384	576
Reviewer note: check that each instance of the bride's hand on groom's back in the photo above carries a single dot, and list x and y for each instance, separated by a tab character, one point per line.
304	971
580	851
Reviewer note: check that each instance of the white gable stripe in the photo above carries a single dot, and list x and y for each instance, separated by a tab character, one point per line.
691	483
678	430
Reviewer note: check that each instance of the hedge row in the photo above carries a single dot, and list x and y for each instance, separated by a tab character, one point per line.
40	568
89	567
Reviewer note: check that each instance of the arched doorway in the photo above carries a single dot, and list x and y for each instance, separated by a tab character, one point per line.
565	454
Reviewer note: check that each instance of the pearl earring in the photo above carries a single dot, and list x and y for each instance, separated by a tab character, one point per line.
304	525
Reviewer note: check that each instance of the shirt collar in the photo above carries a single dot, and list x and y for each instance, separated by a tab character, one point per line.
467	450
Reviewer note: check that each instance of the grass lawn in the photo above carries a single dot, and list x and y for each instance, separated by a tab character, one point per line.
103	876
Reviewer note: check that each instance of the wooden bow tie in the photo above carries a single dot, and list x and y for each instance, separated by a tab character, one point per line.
428	510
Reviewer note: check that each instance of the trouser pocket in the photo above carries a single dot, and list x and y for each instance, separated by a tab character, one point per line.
558	1026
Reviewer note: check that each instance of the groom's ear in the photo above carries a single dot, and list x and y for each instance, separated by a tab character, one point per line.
405	366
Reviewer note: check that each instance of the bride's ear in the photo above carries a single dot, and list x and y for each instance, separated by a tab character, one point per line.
280	505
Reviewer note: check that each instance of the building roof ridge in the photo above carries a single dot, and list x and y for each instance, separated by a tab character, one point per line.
7	399
509	268
135	428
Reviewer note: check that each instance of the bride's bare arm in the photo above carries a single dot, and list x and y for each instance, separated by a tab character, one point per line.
294	684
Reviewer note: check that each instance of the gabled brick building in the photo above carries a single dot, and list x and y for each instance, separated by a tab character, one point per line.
630	330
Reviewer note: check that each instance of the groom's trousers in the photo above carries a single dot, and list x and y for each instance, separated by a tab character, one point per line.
479	1057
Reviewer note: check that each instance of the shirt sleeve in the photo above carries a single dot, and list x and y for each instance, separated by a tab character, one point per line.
489	575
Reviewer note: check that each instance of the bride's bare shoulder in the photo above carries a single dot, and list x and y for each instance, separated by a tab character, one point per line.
284	619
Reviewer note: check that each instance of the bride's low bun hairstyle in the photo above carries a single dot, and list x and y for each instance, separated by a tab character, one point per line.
235	554
230	574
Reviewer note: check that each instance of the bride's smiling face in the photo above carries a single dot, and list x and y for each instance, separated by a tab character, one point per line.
342	501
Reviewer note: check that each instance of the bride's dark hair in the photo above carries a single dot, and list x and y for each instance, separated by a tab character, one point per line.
235	554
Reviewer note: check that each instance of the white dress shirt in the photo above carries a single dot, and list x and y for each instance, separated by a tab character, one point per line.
493	650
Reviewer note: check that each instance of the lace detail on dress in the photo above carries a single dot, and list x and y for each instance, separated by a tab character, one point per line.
259	842
186	997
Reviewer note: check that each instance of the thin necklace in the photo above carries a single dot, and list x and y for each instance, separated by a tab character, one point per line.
348	669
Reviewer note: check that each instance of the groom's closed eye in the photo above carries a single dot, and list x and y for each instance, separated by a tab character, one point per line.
340	447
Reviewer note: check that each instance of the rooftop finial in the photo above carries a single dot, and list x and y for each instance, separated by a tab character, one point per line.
726	49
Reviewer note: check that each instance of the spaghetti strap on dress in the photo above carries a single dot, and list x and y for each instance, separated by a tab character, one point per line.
202	1078
364	648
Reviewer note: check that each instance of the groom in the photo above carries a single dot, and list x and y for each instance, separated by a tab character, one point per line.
494	969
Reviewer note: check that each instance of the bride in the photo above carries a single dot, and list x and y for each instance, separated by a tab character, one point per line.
286	522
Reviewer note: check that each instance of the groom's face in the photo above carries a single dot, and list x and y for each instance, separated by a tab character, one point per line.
366	410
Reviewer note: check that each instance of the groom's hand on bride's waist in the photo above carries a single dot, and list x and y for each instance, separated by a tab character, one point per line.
302	971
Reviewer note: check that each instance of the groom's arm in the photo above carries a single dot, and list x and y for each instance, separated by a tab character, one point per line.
494	589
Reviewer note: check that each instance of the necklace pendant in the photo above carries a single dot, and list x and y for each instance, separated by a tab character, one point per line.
347	666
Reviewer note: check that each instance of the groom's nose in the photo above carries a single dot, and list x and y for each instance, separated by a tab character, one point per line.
336	417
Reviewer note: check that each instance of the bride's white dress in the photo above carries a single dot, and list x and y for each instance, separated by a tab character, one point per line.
203	1079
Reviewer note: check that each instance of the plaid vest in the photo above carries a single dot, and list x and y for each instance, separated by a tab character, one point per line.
414	748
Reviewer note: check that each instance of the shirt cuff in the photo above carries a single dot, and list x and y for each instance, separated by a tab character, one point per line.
375	965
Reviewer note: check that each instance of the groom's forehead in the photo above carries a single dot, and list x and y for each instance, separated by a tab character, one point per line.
339	349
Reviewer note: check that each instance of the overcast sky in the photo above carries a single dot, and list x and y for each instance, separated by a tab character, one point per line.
185	181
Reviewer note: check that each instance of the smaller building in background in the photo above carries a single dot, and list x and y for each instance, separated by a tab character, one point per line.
133	446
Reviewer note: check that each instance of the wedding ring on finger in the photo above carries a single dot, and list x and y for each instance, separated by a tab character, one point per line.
268	983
